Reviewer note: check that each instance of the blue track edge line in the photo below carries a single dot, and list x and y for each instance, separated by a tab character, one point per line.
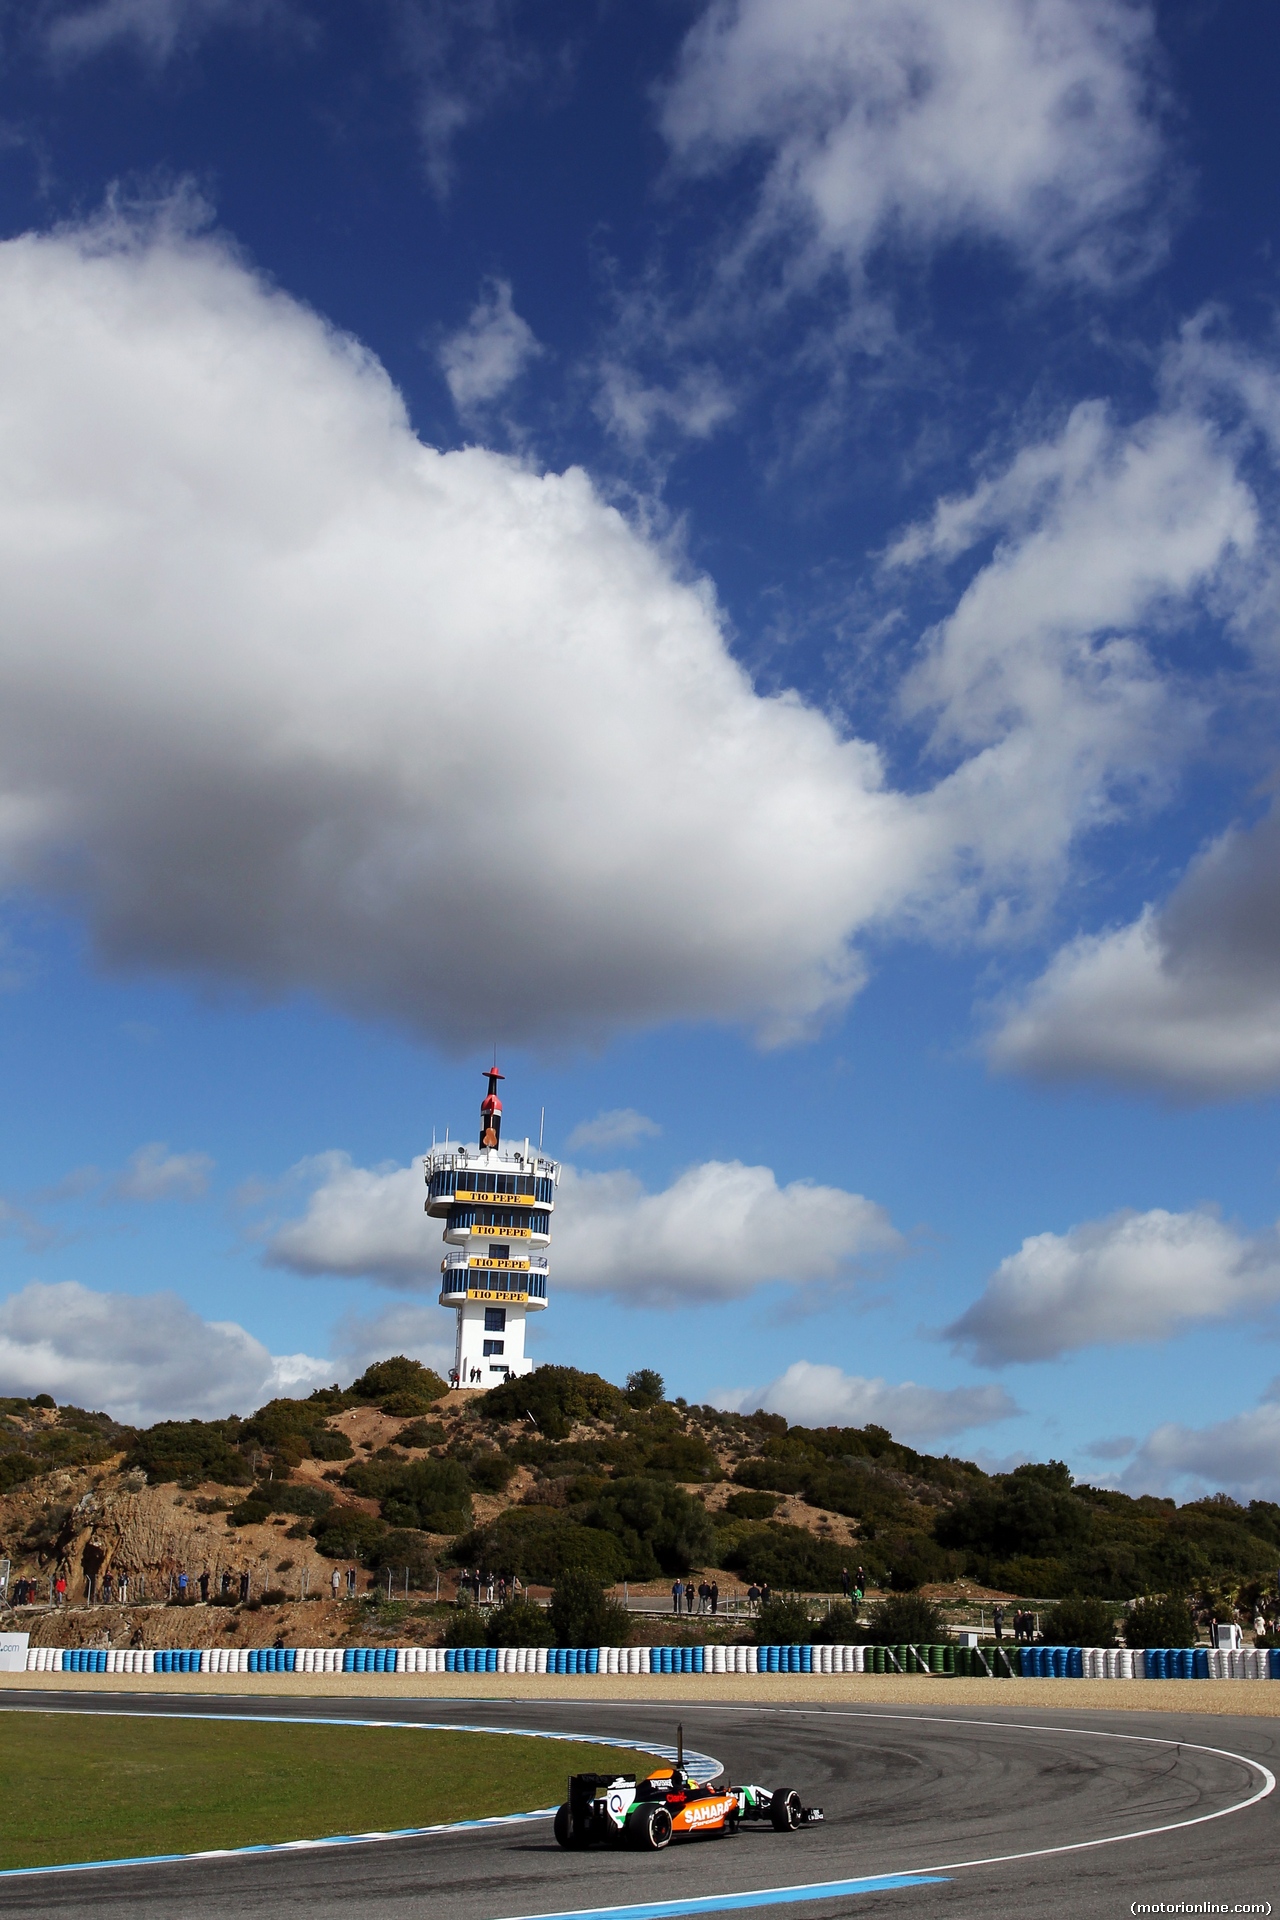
741	1902
277	1846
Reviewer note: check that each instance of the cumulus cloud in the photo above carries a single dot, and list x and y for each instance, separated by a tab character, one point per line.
422	1333
490	352
1184	1001
718	1232
140	1357
254	627
1024	122
1239	1456
618	1127
153	1173
1043	680
1132	1276
811	1395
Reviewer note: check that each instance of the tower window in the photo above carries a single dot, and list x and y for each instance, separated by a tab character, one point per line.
495	1319
492	1346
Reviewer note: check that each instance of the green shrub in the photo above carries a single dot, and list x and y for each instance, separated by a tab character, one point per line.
421	1433
174	1449
349	1534
839	1628
783	1623
293	1431
519	1623
659	1527
1080	1623
645	1388
467	1628
751	1506
1163	1621
490	1472
431	1495
538	1544
581	1616
905	1619
404	1548
557	1397
788	1558
412	1387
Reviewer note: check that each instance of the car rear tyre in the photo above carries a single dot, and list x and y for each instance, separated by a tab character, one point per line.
785	1810
565	1835
649	1828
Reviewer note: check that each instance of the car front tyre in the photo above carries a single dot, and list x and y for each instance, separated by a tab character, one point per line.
785	1810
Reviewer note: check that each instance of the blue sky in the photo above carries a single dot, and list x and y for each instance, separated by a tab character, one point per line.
729	551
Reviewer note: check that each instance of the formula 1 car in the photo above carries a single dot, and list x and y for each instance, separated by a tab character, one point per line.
606	1809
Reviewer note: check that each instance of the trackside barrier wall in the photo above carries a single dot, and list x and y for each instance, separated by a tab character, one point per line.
990	1662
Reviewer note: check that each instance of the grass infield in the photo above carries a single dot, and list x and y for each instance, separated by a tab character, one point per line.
100	1787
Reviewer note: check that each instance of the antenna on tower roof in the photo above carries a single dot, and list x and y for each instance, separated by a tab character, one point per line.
541	1125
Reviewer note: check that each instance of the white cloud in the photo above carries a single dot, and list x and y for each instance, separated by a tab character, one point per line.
1239	1456
158	28
617	1127
1133	1276
1042	680
153	1173
140	1357
361	1222
1024	122
1184	1001
421	1333
463	58
255	630
486	356
718	1232
810	1395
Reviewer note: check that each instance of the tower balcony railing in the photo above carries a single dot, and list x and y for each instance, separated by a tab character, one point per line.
462	1277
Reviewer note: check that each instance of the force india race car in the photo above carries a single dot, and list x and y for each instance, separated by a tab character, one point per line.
618	1810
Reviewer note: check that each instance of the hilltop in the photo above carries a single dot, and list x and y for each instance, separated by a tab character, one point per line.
563	1469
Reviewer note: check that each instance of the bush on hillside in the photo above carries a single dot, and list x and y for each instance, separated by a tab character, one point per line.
905	1619
581	1616
191	1449
782	1623
658	1526
645	1388
519	1623
402	1549
751	1506
789	1558
1032	1511
347	1533
557	1397
1163	1621
1077	1622
839	1628
400	1386
467	1628
538	1544
294	1430
431	1495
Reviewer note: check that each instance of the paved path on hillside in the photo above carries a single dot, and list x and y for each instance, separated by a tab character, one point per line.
949	1794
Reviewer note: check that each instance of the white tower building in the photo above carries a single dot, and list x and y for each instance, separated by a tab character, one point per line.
497	1206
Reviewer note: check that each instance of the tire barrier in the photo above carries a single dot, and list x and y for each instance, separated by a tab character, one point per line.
995	1661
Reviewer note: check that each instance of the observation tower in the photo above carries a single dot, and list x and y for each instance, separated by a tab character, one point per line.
496	1204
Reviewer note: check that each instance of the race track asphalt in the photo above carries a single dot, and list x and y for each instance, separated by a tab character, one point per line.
977	1801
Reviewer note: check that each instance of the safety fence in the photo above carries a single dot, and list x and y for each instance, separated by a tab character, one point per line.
989	1662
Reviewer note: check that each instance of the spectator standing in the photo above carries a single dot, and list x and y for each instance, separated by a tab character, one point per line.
689	1596
997	1622
244	1587
765	1593
204	1585
677	1595
106	1588
845	1582
335	1583
182	1588
753	1597
225	1582
351	1583
715	1596
122	1589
